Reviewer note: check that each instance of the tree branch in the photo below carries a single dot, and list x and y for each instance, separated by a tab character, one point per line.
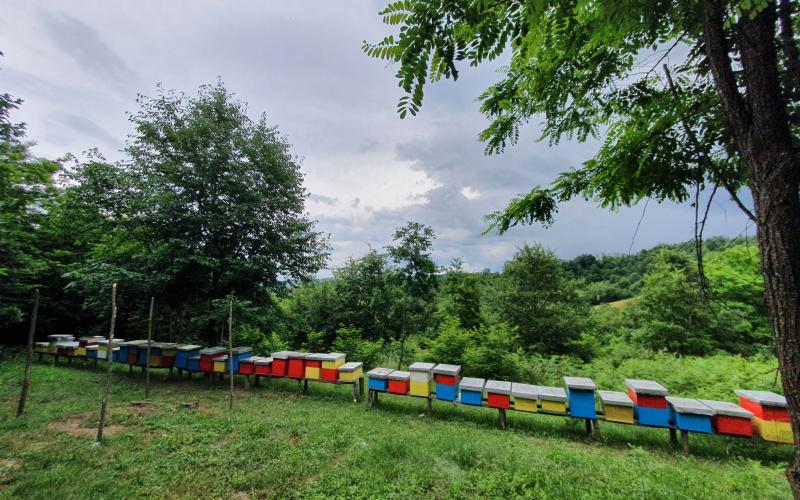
791	54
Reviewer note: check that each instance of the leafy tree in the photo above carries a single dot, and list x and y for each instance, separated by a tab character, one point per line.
416	278
459	296
209	202
723	116
26	184
350	341
537	298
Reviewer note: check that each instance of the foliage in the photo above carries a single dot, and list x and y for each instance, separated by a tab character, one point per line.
350	341
460	296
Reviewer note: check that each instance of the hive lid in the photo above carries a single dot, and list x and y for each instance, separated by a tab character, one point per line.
117	342
399	375
210	351
764	398
580	383
68	344
166	345
524	391
334	356
552	393
379	373
727	408
242	350
297	355
688	405
498	387
189	347
472	384
249	361
419	366
221	358
615	398
351	366
60	336
646	387
134	343
281	355
195	357
316	356
263	361
444	369
92	347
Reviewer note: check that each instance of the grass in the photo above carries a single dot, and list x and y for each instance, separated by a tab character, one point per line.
277	443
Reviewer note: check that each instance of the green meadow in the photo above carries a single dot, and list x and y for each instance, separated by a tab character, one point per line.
278	443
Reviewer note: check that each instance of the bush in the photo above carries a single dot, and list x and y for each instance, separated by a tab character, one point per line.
349	340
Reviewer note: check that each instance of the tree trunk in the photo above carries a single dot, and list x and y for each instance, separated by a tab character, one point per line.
149	343
760	124
110	359
26	378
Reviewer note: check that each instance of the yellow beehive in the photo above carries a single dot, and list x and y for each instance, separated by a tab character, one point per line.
554	406
554	399
525	396
617	406
350	372
335	360
80	351
219	365
312	372
155	360
773	430
420	388
422	382
52	349
530	405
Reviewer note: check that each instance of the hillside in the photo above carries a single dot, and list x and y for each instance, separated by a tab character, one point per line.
277	443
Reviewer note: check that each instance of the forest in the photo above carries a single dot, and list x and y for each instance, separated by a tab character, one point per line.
208	208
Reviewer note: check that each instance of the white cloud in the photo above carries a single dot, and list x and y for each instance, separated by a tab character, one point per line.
470	193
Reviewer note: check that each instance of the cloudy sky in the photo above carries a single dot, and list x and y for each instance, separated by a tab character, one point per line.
79	65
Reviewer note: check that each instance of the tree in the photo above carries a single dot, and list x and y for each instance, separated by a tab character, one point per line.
208	202
727	118
416	278
536	297
460	296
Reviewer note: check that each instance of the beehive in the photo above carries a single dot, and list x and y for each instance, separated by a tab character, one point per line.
132	348
280	363
83	342
471	391
220	364
169	351
617	407
554	399
447	378
296	365
67	349
526	397
239	353
770	415
351	371
263	366
41	347
91	351
580	393
421	379
730	418
378	379
330	366
689	414
183	353
193	363
399	382
498	394
649	402
207	357
54	340
314	366
247	366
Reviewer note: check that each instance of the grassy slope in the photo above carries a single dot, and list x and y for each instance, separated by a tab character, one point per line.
277	444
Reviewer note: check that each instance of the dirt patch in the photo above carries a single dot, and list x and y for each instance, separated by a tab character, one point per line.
7	468
78	426
293	439
241	495
142	408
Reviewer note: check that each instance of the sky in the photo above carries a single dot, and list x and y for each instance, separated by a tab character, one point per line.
79	66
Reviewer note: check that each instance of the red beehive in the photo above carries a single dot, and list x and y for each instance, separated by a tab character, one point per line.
263	366
498	394
399	382
447	379
247	366
760	410
730	418
207	358
647	400
297	365
280	363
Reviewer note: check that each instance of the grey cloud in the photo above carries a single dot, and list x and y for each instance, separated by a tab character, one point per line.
321	198
82	125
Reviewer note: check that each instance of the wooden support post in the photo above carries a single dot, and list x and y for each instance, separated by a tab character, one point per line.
685	441
596	426
305	386
107	386
588	423
503	421
429	406
355	392
673	437
26	378
247	381
361	386
258	379
149	346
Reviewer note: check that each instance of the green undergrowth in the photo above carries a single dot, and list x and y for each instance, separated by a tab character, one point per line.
278	443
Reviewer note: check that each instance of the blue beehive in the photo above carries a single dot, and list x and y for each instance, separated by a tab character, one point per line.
650	403
447	379
184	353
690	414
580	393
239	353
193	363
378	379
471	391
